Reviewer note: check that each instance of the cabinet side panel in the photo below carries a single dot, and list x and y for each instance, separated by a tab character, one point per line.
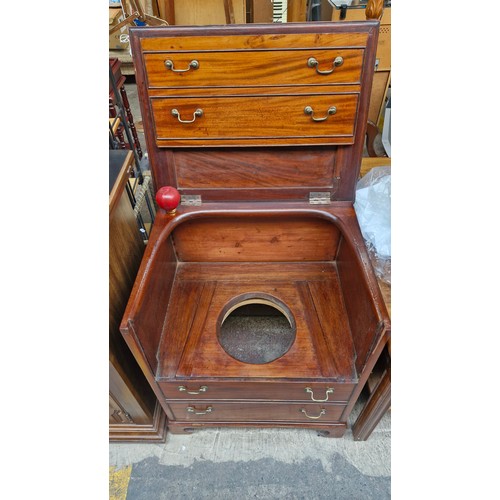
359	303
153	301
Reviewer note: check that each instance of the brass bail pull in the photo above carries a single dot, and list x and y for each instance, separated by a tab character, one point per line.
328	391
308	110
183	388
196	114
193	410
312	62
321	413
194	64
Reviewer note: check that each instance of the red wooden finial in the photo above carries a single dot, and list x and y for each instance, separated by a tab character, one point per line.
168	198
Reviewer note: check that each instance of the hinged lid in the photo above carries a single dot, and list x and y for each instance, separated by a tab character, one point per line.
256	112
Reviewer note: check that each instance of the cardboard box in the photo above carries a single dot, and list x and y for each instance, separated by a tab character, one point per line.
262	11
115	16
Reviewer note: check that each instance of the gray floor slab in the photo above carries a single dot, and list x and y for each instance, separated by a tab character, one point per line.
259	463
265	478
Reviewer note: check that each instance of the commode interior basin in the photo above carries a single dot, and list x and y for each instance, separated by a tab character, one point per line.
256	297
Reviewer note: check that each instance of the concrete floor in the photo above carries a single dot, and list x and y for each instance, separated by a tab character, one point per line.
252	463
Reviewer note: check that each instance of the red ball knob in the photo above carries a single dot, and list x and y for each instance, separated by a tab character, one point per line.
168	198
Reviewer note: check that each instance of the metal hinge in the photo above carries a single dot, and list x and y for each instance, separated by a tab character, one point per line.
191	200
319	198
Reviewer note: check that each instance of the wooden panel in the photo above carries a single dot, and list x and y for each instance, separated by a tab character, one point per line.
181	43
264	117
179	322
284	390
233	69
262	11
358	302
149	318
326	429
384	39
205	12
155	432
328	361
360	15
250	169
282	89
203	356
332	315
247	271
235	412
129	407
381	80
297	11
257	240
166	10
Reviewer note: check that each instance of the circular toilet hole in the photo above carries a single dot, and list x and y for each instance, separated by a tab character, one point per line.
256	329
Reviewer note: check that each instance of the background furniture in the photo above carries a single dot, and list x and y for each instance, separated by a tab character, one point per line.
119	79
374	9
134	414
200	12
379	383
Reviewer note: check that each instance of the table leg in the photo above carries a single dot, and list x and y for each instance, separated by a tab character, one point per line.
130	120
119	132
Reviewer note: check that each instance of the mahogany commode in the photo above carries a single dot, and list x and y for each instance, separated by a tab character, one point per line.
260	128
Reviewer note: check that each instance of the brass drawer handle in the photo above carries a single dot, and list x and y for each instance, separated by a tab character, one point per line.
321	413
310	112
198	112
329	390
190	409
183	388
194	64
312	62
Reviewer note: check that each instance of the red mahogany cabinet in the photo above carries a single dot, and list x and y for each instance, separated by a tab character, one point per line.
256	303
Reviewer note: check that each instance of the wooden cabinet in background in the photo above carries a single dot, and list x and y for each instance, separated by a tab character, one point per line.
382	76
134	413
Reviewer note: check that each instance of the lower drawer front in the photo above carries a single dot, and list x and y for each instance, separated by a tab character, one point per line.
248	120
256	412
284	391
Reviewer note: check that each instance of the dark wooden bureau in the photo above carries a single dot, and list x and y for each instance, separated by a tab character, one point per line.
256	303
134	413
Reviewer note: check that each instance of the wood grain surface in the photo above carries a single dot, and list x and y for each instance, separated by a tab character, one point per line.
258	240
244	68
249	120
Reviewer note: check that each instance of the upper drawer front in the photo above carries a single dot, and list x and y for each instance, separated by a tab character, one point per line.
284	119
322	392
244	68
